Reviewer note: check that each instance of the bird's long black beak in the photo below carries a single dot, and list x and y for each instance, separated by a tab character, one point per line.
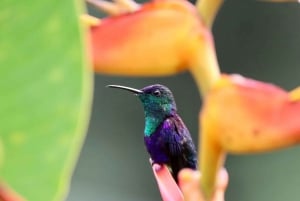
136	91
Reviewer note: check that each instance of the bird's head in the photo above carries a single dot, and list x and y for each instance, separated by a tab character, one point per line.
156	99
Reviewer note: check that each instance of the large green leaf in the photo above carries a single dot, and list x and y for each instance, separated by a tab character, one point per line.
45	94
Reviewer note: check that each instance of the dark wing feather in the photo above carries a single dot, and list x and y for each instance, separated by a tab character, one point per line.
179	145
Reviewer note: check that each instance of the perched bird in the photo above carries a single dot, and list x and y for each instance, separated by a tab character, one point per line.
166	137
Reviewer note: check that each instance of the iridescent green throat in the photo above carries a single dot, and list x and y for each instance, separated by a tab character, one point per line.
151	124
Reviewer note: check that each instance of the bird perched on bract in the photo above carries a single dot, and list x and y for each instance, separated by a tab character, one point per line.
167	139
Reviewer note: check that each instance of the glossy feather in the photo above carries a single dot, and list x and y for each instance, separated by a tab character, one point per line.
167	139
172	144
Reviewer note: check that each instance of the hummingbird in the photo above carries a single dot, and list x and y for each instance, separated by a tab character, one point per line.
167	139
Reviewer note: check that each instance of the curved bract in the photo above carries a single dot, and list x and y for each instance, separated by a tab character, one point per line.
158	39
268	118
242	115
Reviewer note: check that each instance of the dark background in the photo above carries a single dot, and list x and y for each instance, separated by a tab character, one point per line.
255	39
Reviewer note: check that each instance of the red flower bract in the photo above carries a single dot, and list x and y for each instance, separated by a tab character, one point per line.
157	39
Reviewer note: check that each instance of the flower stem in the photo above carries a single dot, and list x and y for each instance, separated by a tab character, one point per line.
205	68
206	72
208	10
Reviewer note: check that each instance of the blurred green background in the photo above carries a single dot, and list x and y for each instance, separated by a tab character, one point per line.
255	39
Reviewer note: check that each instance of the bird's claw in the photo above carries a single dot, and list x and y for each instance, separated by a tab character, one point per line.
151	161
155	166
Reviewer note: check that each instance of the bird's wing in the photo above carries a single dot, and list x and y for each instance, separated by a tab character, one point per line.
172	138
179	145
179	142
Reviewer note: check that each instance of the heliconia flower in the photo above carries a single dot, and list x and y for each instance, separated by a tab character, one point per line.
162	37
241	116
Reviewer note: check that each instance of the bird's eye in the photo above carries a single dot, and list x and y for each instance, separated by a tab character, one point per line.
156	92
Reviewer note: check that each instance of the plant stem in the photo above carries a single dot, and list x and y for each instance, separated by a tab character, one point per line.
208	10
205	68
206	72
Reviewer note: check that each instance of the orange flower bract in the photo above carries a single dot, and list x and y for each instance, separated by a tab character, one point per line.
158	39
241	116
248	116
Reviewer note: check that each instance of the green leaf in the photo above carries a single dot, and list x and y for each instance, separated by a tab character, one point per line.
45	95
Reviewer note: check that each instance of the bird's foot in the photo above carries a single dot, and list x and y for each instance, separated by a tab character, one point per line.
154	165
151	161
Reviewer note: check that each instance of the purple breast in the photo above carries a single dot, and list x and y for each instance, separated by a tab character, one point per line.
156	148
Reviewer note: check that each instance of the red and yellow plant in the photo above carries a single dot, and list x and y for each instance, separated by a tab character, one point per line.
165	37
